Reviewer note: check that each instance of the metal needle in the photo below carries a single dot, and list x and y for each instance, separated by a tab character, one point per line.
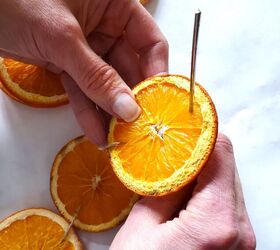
193	63
70	225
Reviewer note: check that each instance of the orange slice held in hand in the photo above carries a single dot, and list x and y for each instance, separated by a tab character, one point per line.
84	185
31	84
167	146
37	229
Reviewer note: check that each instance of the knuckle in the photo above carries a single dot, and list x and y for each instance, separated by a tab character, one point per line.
225	238
225	143
225	235
250	241
100	79
229	236
164	44
63	35
68	31
163	47
160	46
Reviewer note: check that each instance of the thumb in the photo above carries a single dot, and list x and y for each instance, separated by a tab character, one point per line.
150	211
99	81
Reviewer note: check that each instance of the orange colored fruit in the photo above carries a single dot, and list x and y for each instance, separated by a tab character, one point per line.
9	93
167	146
84	184
31	84
36	229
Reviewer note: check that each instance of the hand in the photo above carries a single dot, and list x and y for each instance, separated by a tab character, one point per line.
211	216
71	37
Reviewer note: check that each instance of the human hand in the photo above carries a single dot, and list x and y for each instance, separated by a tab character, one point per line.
210	216
81	40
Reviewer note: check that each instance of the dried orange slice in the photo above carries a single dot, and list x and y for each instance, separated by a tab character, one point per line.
36	229
8	93
84	184
167	146
31	84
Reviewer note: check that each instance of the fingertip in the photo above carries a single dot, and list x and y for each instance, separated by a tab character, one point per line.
125	107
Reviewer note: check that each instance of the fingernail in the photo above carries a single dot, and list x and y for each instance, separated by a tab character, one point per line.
125	107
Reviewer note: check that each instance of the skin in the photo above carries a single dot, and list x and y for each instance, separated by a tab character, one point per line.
210	214
100	49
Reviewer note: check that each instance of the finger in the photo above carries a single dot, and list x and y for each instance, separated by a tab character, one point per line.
99	81
106	118
247	239
216	183
84	109
147	40
124	59
210	220
151	211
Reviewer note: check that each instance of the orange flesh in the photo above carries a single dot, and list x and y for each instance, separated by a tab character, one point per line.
164	135
33	232
34	79
86	179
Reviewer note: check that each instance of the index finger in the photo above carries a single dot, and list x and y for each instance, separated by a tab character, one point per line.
148	41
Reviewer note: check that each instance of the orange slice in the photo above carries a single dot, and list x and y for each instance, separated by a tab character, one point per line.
31	84
167	146
36	229
84	184
8	93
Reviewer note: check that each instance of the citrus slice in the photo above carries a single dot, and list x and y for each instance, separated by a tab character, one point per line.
84	185
167	146
31	84
36	229
8	93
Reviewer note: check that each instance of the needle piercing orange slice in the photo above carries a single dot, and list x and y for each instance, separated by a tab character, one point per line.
84	184
167	146
31	84
36	229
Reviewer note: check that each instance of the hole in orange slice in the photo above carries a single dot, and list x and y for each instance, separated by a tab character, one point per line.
82	179
36	229
31	84
167	146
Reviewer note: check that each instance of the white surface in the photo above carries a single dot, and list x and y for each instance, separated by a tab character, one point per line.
238	63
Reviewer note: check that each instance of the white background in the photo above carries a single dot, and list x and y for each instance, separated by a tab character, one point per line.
238	63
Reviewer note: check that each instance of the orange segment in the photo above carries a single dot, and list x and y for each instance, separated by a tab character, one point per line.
31	84
167	146
82	180
36	229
